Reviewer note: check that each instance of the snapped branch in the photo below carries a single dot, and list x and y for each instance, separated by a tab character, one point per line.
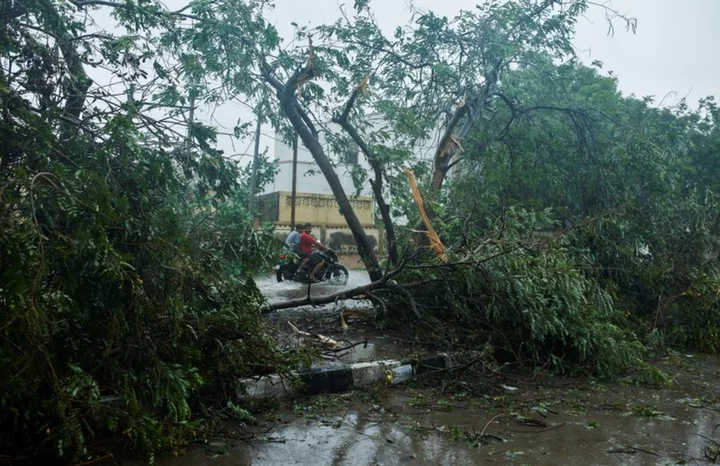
448	136
364	290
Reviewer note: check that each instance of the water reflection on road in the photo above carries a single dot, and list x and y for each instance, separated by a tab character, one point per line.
277	292
577	424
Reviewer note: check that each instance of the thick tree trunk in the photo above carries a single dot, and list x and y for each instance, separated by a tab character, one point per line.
445	152
440	169
289	104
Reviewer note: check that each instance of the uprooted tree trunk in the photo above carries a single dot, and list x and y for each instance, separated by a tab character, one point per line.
304	127
377	183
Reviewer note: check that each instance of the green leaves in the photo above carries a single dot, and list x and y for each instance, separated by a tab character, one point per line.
539	305
360	5
626	179
127	257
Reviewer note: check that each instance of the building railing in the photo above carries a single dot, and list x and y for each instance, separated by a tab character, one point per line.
326	202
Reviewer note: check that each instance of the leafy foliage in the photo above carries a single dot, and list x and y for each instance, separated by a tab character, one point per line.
127	254
611	184
529	302
584	223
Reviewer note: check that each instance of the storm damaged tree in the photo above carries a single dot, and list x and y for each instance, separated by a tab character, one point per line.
428	85
435	81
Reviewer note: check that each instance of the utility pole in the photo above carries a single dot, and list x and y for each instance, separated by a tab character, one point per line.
190	121
253	177
294	183
190	189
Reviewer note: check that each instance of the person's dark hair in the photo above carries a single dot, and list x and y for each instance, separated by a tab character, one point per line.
299	226
308	225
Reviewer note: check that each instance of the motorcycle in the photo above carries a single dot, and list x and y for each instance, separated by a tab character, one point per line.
332	272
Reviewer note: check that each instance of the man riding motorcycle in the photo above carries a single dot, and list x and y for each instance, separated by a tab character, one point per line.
310	258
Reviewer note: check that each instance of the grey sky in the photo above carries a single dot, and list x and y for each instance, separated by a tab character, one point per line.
672	55
674	48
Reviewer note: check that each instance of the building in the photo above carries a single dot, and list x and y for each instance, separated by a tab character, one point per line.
322	211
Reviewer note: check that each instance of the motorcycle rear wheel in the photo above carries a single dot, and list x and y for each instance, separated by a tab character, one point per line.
339	275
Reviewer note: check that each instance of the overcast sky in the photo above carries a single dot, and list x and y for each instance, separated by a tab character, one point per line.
675	48
672	55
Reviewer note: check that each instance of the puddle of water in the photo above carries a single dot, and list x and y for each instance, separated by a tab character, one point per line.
346	440
573	426
362	352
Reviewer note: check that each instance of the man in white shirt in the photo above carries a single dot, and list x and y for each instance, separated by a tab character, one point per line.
293	239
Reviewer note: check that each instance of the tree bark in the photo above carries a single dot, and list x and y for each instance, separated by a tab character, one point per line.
375	184
299	121
445	151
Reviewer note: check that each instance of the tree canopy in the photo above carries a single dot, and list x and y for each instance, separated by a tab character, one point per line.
579	225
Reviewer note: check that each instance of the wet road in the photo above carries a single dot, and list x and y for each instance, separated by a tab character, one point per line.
549	422
276	292
325	319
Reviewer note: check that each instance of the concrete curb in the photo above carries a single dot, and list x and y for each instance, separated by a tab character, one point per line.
341	378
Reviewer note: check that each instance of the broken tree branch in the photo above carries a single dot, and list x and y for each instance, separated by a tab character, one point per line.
445	149
470	109
319	300
413	304
447	136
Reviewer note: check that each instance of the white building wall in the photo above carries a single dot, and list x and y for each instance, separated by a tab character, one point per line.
309	177
311	180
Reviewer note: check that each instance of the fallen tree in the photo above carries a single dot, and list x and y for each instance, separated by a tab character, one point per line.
431	85
121	295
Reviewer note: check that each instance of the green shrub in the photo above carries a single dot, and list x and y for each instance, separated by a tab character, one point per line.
537	307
